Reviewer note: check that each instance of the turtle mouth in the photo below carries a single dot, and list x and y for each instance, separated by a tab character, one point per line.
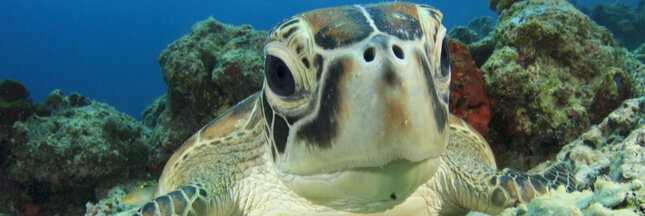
380	161
364	189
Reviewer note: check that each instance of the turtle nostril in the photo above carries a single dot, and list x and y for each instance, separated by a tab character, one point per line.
398	52
368	55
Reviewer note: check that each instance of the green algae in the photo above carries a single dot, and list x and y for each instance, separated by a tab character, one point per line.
215	65
207	71
553	74
78	144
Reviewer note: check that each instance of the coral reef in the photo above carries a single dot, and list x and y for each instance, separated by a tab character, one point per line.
467	99
476	30
626	23
483	26
552	75
108	206
608	165
500	5
112	197
482	50
608	198
640	53
58	159
212	68
14	102
613	148
463	34
206	72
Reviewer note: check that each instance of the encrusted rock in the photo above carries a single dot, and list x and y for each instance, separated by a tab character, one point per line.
640	53
12	90
613	148
64	156
483	26
214	66
476	30
463	34
553	74
500	5
14	102
608	166
626	23
206	72
482	50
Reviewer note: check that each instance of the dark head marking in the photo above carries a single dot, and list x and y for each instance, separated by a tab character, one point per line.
324	127
329	34
440	112
305	61
288	33
280	133
318	64
288	22
432	11
398	19
266	108
280	127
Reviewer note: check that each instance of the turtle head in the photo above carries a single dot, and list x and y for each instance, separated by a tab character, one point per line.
356	103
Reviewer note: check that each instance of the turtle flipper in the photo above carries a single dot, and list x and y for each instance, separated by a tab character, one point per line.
475	184
187	200
509	188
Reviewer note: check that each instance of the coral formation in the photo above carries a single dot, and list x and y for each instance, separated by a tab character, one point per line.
67	153
613	148
467	99
500	5
213	67
463	34
626	23
206	72
55	100
608	165
482	50
112	199
552	75
14	102
640	53
476	30
483	26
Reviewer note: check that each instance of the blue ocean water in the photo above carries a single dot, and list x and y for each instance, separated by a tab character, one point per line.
107	50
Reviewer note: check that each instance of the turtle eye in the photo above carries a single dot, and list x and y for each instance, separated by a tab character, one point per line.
445	58
279	76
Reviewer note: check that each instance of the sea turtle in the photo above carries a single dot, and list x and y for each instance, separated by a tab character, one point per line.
352	119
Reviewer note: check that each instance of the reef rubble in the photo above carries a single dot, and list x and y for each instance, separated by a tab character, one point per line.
608	164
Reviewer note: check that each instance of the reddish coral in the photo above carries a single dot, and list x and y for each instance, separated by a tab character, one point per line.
30	209
467	98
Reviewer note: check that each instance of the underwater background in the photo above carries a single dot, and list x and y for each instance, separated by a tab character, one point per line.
107	50
93	73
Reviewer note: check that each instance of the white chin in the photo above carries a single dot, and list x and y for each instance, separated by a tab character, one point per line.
363	190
